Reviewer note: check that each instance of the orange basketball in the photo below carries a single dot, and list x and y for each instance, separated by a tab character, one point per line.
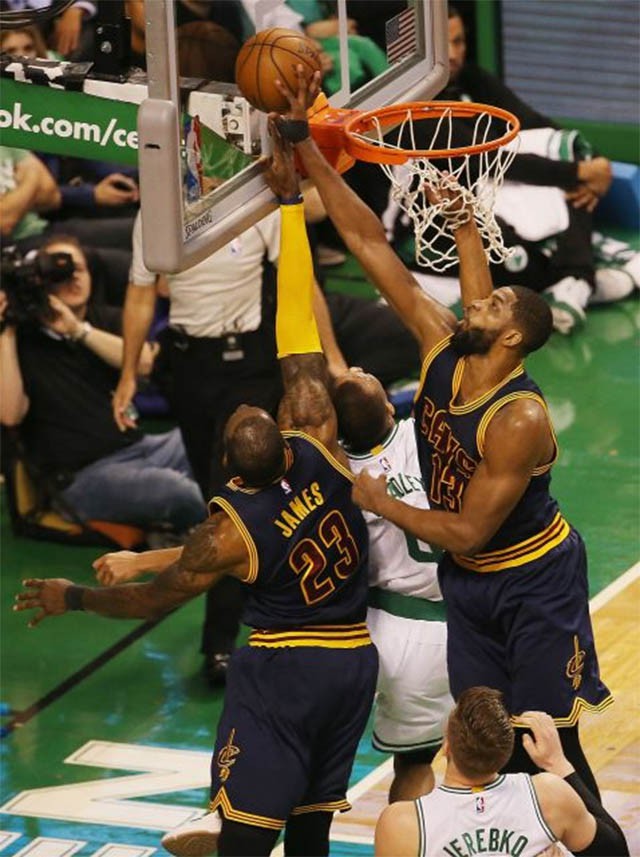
271	55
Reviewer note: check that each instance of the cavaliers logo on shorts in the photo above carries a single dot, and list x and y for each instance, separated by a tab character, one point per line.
575	664
227	757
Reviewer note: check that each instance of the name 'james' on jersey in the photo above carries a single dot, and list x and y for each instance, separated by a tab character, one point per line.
307	542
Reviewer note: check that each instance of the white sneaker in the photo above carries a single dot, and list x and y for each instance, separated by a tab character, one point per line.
568	299
612	284
197	838
611	253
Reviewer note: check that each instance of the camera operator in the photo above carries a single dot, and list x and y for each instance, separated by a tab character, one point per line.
60	355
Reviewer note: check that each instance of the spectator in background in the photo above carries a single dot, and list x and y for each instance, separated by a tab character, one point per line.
59	370
230	27
551	257
30	197
26	189
95	191
87	189
25	42
366	59
371	18
70	33
207	50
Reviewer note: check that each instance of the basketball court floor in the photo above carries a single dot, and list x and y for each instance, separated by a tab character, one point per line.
108	725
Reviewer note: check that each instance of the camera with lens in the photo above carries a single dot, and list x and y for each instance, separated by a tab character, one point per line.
27	282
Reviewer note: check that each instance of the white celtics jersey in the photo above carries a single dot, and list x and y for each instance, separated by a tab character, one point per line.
397	560
503	818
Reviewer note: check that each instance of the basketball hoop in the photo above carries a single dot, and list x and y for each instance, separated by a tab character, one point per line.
471	173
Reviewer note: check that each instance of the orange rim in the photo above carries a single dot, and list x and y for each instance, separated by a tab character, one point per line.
394	114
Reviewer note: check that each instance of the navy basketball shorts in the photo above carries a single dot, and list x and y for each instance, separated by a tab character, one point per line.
289	731
527	632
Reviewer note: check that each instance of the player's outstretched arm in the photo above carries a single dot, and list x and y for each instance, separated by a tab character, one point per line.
214	549
571	811
364	235
475	276
306	404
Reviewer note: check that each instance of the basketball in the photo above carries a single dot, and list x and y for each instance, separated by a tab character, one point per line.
272	55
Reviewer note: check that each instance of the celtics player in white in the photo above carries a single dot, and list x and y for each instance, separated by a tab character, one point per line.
406	616
476	810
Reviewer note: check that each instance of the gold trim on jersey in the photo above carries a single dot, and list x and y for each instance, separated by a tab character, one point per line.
491	412
221	800
254	561
323	636
579	705
521	553
428	360
482	400
323	449
330	806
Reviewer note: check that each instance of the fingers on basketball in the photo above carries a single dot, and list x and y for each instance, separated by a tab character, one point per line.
277	56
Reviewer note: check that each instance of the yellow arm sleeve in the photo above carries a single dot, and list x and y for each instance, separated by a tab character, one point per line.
296	329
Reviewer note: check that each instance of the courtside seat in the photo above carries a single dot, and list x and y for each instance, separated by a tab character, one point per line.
32	514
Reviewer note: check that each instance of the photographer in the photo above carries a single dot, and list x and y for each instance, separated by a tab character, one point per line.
60	354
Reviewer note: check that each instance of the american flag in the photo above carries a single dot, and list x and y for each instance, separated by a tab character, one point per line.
400	35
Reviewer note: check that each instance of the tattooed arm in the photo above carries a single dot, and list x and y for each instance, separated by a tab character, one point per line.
213	550
306	404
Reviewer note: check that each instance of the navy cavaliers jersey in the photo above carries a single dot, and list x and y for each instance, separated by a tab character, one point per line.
307	542
450	441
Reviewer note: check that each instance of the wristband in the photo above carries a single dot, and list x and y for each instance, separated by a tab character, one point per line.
73	596
291	200
85	330
293	130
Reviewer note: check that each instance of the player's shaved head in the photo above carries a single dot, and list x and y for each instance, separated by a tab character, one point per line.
254	447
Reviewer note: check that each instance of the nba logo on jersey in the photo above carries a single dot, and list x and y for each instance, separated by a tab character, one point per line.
285	486
384	463
480	804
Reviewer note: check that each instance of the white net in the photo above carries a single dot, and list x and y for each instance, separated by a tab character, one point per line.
469	179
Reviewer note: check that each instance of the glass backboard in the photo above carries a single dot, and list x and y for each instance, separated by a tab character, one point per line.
199	181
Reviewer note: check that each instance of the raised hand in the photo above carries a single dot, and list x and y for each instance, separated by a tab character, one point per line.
45	596
544	747
456	203
305	96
